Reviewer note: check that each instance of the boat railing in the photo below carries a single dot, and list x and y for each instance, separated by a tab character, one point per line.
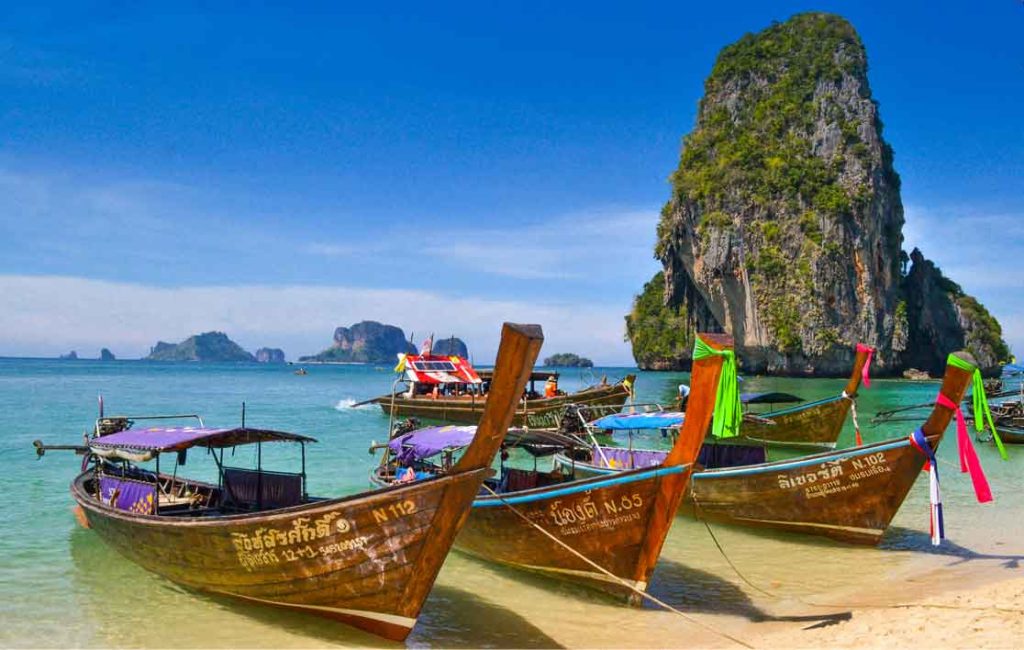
105	425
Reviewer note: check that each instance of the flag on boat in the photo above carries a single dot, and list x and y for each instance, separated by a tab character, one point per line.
437	369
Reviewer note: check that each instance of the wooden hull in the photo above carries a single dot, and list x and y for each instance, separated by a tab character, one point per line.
812	426
538	413
368	560
849	495
610	520
1011	436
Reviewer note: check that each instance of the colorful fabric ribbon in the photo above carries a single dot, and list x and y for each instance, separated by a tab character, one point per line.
865	376
726	423
969	462
853	415
920	442
982	414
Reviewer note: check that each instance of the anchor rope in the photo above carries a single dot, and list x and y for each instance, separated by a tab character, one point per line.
853	415
642	593
803	601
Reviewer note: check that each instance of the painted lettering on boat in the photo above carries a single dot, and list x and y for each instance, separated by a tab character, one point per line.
394	511
309	552
584	515
548	420
830	478
259	548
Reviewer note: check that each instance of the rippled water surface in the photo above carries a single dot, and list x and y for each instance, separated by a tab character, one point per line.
60	586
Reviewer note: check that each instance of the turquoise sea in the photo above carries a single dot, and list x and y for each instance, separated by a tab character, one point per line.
60	586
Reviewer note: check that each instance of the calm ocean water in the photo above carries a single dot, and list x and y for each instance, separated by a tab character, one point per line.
60	586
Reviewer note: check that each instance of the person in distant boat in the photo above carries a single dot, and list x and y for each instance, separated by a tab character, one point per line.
551	386
684	396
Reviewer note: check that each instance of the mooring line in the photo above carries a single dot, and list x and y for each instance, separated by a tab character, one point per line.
614	577
848	606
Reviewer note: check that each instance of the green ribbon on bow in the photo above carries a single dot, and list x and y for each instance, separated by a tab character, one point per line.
726	423
982	414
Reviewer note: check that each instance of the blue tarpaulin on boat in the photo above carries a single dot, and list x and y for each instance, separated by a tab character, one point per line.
656	420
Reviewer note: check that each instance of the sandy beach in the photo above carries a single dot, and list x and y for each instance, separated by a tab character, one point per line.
904	614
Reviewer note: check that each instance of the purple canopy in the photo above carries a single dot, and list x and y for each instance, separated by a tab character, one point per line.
176	438
424	443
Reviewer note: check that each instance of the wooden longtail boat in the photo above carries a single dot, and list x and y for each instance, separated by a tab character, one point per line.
449	389
368	560
849	495
618	522
812	425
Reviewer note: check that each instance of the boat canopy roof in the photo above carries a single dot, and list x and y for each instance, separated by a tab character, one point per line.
437	369
422	444
653	420
769	398
161	439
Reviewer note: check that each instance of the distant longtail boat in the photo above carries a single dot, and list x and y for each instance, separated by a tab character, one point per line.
448	389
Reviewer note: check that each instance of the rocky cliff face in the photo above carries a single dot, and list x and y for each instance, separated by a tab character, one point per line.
784	226
365	342
942	317
106	355
270	355
209	346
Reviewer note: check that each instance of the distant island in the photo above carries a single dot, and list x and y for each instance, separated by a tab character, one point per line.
209	346
106	355
365	342
568	360
70	356
451	346
270	355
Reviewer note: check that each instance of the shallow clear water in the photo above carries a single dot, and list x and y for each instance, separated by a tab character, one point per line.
60	586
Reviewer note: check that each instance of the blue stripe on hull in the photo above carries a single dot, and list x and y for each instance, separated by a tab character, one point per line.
490	501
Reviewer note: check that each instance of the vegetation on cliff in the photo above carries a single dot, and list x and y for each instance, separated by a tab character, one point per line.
784	223
209	346
568	360
660	334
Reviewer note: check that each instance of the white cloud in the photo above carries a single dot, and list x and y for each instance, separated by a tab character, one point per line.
47	315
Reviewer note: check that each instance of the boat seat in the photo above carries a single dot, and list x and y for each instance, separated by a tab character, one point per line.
515	480
277	489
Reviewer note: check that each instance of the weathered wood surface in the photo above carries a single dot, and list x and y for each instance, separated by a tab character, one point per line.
355	559
849	495
813	425
541	412
368	560
618	522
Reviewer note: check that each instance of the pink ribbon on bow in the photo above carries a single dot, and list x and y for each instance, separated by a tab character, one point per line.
864	376
969	462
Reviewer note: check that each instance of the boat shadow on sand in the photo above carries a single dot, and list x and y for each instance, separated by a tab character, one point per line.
699	592
916	541
122	598
689	590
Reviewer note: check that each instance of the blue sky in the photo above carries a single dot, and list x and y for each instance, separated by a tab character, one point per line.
276	173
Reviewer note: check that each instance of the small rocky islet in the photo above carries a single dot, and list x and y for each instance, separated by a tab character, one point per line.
567	360
785	224
369	341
